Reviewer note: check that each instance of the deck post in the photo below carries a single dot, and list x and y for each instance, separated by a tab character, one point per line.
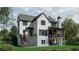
61	42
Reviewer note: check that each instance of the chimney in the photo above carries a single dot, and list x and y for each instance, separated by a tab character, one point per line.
59	21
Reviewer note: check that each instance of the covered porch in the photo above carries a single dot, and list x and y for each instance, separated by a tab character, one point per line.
55	36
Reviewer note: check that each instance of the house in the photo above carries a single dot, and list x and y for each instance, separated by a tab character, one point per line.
39	30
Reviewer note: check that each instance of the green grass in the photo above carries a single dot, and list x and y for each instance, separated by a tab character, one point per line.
49	48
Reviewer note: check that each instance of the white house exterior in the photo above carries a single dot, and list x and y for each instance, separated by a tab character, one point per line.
36	30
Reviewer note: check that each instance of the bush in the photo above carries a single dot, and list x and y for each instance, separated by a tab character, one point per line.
65	49
46	49
75	49
7	39
54	49
73	42
6	47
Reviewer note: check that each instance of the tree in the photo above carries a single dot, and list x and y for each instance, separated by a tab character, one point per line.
13	35
71	29
7	37
2	31
5	13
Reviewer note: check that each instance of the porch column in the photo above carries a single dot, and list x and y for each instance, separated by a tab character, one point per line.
55	40
61	42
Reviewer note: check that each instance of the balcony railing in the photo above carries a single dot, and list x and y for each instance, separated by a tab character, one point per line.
57	35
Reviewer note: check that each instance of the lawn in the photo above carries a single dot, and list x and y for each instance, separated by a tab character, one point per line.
49	48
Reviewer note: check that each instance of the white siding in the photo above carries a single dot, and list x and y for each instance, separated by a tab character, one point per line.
59	23
35	28
31	40
34	24
22	27
42	27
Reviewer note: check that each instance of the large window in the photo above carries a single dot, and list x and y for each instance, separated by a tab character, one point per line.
24	23
42	22
42	41
43	32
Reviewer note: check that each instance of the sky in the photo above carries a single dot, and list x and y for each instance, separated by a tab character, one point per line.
54	12
72	12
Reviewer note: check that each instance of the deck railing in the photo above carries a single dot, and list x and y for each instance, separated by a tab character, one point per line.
57	35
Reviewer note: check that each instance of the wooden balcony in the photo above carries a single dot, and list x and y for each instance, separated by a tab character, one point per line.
58	35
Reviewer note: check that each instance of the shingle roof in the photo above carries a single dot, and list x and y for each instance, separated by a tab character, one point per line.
40	15
23	17
51	19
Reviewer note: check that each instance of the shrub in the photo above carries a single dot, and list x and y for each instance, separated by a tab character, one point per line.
65	50
76	42
46	49
7	39
6	47
54	50
75	49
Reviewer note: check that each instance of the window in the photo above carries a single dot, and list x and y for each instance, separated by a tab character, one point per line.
42	41
53	24
43	32
42	22
24	22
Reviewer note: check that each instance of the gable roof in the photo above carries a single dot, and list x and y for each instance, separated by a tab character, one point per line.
30	18
39	16
23	17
